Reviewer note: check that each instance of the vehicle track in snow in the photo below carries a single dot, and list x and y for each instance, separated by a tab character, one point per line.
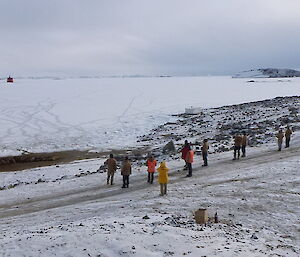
104	192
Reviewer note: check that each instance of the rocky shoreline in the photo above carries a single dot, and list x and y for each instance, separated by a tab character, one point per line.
260	120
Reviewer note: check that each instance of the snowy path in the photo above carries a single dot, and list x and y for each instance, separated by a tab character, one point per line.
81	195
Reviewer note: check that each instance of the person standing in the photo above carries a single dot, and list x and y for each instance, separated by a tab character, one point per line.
125	172
151	163
189	160
280	137
111	169
163	178
204	150
184	152
237	146
244	144
288	134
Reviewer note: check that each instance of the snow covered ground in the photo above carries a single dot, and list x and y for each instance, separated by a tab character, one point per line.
68	210
41	115
257	200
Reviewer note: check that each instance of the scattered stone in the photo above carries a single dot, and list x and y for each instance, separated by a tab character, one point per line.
254	237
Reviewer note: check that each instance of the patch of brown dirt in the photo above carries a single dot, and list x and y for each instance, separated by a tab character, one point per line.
34	160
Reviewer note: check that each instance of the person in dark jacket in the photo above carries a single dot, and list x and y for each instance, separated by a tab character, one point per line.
237	146
111	169
288	134
244	144
125	172
280	136
204	150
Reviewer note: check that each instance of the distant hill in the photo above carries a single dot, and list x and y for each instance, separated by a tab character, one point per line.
268	73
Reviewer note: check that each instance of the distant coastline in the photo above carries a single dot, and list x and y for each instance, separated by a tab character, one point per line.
268	73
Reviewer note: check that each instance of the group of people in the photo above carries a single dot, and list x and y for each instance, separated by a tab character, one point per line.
187	154
112	166
280	135
240	142
163	179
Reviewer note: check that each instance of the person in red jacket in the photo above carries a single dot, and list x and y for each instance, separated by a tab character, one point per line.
184	152
151	163
189	159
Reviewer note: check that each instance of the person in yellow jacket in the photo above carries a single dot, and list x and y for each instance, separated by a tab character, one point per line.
163	178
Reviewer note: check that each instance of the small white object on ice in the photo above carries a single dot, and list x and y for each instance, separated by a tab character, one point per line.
193	110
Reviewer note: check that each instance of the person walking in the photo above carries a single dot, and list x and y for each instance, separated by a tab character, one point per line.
244	144
151	163
189	160
204	150
184	152
237	146
288	133
125	172
111	169
280	137
163	178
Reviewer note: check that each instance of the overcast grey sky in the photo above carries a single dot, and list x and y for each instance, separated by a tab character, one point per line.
182	37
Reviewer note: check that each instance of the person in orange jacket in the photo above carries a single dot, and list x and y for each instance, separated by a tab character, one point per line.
189	160
151	163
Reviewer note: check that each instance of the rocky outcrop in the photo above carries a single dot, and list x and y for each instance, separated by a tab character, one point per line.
268	73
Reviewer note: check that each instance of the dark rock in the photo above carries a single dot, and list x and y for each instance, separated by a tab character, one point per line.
254	237
169	147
